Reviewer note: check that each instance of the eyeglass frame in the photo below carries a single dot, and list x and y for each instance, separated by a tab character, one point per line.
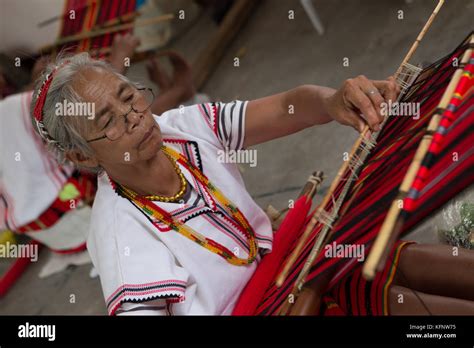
127	113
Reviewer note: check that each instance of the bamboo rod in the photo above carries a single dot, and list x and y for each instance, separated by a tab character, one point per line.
421	35
91	34
378	252
312	185
123	19
296	252
314	219
415	45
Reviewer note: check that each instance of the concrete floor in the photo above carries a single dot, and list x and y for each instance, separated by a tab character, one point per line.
280	54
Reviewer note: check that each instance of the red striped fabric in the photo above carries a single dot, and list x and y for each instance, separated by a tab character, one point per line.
459	109
353	295
365	207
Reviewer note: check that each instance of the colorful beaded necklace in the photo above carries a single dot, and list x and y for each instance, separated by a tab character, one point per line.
159	214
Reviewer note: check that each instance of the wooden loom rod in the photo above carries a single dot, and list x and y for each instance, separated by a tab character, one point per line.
412	50
378	254
314	220
312	185
356	145
123	19
420	36
91	34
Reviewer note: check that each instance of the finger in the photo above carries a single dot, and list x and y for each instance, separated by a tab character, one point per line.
368	134
361	102
374	95
390	89
394	85
394	80
355	120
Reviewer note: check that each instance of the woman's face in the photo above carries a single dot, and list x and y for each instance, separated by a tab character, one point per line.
112	98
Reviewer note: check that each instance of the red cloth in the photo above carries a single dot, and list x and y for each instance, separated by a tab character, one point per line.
266	272
15	271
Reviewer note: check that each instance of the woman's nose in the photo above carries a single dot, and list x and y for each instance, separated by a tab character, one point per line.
133	119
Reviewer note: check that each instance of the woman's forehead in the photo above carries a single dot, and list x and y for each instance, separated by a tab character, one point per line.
93	84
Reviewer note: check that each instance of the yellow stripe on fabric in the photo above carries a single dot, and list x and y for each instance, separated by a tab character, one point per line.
391	275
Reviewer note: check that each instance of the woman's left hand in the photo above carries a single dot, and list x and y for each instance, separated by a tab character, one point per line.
359	102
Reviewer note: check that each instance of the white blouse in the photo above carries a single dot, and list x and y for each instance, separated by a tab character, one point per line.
30	178
153	270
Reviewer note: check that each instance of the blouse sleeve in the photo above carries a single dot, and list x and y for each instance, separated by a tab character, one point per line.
145	287
227	122
155	307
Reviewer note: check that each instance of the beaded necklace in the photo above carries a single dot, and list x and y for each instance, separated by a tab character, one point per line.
152	210
174	198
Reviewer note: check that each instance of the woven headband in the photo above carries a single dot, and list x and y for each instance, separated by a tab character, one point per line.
40	100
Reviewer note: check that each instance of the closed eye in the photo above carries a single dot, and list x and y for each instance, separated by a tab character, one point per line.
109	122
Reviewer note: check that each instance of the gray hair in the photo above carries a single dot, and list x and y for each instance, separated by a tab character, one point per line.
64	133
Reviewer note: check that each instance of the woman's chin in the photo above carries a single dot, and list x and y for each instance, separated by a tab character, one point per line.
152	147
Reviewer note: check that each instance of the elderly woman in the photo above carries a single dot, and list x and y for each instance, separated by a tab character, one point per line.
173	229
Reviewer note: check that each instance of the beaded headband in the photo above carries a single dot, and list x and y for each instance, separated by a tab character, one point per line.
38	110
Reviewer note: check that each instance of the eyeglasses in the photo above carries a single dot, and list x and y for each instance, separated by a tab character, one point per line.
141	100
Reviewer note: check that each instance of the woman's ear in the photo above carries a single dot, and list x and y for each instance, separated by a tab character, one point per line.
80	159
